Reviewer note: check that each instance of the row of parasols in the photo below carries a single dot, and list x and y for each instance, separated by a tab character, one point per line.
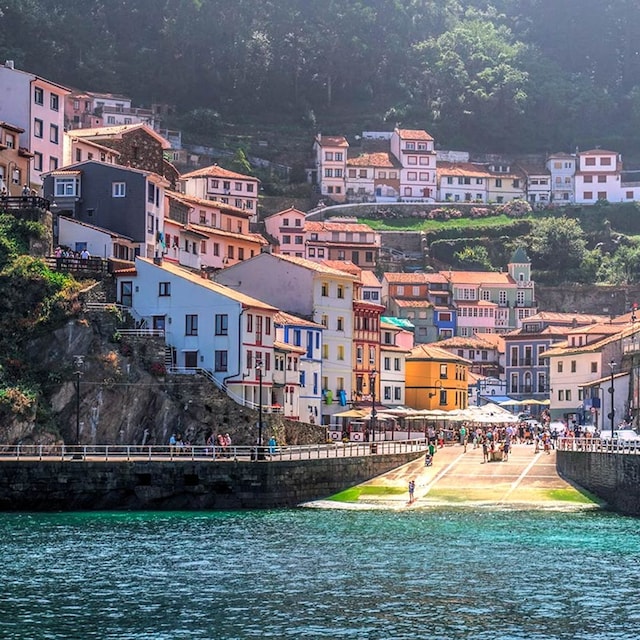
485	414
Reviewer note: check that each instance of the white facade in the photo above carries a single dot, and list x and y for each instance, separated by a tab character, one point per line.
598	177
37	106
562	167
414	149
309	290
100	243
206	326
331	165
221	185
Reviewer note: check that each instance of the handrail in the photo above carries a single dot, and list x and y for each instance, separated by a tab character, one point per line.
177	453
599	445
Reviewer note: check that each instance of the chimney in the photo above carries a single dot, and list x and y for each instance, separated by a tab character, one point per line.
9	64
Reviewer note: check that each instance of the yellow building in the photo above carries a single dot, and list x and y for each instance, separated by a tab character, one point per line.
436	379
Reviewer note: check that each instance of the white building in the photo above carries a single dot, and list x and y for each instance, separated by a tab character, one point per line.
206	326
598	176
414	149
222	185
37	106
314	291
562	167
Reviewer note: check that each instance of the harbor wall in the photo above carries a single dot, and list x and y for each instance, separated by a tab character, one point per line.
31	485
613	477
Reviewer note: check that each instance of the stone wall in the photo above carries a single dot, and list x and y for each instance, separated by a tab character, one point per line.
225	484
613	477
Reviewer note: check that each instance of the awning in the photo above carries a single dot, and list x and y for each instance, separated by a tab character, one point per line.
501	400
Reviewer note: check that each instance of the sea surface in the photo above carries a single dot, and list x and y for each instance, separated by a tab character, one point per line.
312	573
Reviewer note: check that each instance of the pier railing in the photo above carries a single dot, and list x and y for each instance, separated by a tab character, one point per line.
167	453
601	445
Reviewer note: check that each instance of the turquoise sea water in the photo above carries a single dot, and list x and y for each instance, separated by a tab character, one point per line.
310	573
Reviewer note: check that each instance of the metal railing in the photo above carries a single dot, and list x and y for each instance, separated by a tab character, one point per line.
177	453
598	445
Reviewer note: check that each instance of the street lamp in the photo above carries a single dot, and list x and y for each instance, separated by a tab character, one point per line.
612	364
78	362
372	387
260	454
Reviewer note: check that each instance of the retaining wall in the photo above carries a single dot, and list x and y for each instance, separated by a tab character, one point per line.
613	477
226	484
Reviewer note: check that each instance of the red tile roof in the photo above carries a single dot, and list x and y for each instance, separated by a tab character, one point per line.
413	134
380	160
331	141
215	171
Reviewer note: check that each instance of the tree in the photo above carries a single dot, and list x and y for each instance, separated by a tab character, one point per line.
557	245
474	258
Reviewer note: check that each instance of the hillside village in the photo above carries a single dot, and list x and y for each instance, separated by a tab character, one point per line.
290	313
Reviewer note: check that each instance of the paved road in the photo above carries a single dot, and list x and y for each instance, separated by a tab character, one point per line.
526	480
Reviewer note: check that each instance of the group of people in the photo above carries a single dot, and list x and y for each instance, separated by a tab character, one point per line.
177	444
221	441
68	253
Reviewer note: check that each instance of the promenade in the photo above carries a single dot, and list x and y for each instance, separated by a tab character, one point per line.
527	480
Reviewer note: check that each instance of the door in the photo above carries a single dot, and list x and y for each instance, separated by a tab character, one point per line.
190	359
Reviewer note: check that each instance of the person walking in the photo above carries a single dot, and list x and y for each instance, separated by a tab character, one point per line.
412	488
485	450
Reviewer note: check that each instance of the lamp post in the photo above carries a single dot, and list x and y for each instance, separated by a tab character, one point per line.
260	454
612	364
372	386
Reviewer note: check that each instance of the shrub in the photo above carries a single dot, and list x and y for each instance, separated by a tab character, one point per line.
157	369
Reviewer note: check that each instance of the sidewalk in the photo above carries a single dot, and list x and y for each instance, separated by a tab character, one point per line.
527	480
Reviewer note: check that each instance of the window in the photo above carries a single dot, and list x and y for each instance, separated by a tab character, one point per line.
587	195
250	323
498	182
605	162
66	187
602	179
602	195
328	173
55	102
286	239
222	324
340	324
191	325
412	175
340	352
37	161
38	95
560	367
588	179
338	156
325	289
221	360
53	163
118	189
37	128
396	364
340	291
590	162
54	133
443	371
164	289
573	366
328	155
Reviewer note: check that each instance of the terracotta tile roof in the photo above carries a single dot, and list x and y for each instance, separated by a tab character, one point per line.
380	160
285	346
561	317
285	318
318	267
431	352
215	171
312	225
343	265
369	279
412	304
462	169
331	141
495	339
413	134
531	169
195	278
478	277
212	231
465	342
289	210
116	131
393	277
597	152
211	204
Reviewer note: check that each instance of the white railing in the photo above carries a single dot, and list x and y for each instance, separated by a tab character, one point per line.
142	332
177	453
599	445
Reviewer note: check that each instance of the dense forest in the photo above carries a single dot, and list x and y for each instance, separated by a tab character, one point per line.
507	75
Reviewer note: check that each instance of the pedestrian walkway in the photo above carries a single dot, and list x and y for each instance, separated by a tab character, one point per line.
527	480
